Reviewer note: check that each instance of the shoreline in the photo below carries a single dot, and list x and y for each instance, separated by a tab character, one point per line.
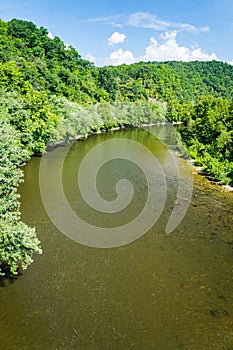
80	137
199	170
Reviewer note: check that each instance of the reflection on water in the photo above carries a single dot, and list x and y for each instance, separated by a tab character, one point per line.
161	292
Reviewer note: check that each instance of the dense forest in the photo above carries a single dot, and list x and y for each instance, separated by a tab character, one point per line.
49	93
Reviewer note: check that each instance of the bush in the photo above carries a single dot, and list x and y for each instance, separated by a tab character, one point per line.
18	242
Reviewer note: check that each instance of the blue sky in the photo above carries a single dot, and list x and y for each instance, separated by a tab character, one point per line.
121	31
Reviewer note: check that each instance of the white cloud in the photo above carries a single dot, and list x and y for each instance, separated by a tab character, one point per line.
50	35
90	58
166	48
112	20
231	62
204	29
116	38
169	49
162	48
120	57
147	20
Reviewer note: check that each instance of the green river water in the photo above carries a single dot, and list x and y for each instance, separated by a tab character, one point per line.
163	291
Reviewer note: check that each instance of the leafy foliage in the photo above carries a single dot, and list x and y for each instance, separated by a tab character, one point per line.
209	135
173	82
79	121
17	240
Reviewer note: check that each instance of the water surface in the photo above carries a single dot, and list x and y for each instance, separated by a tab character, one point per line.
163	291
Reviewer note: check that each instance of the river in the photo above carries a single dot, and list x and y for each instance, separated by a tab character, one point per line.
162	291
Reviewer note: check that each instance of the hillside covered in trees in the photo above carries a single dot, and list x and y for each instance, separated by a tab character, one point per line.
48	89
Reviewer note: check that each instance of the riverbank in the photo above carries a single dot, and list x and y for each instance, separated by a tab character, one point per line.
200	170
80	137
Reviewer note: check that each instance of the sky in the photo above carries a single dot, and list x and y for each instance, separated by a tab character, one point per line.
109	32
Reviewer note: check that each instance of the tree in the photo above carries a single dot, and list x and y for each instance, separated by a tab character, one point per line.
18	242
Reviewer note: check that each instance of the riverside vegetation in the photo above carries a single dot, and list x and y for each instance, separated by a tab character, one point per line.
48	92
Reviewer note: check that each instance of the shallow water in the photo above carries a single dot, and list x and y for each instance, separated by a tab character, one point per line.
163	291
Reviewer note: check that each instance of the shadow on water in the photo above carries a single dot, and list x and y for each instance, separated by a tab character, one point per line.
8	278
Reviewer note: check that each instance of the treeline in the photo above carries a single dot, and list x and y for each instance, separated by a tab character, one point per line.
49	93
30	59
18	242
173	82
208	133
